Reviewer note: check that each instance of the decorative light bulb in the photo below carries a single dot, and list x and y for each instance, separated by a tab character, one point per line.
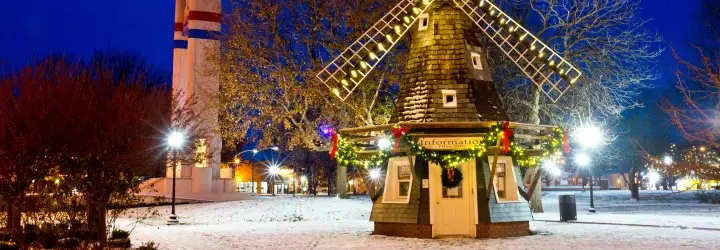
389	38
381	47
336	92
345	82
373	56
354	73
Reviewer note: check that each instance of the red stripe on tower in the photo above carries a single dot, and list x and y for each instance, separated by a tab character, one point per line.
204	16
179	26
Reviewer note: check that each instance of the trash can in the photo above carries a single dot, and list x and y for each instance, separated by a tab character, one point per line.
568	210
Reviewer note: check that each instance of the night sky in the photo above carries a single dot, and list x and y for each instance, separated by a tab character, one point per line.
34	29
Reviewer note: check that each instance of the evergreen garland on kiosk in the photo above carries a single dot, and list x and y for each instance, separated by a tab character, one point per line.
449	161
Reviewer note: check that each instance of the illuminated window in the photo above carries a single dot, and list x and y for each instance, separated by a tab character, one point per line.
449	98
424	20
506	187
398	180
476	60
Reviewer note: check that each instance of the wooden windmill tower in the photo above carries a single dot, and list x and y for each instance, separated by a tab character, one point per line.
447	99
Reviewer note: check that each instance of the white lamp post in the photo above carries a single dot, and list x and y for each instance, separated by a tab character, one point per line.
583	160
590	137
175	142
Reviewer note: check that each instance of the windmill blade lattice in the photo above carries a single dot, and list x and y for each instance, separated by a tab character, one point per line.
350	68
545	67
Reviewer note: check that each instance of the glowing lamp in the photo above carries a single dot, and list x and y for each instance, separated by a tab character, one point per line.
552	168
667	160
176	139
582	159
384	143
374	174
589	136
274	170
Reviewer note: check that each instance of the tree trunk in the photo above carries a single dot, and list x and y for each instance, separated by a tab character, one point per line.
341	181
13	220
536	199
329	179
311	176
97	217
632	185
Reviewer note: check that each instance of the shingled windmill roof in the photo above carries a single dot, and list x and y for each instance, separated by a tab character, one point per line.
441	59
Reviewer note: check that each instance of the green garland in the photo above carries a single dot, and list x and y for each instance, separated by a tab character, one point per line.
346	154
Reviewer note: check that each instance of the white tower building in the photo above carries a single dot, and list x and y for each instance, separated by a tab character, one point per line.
196	30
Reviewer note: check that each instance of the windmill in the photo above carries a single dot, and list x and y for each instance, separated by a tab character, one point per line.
446	115
447	66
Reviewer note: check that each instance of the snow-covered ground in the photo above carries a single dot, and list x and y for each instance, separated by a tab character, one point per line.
331	223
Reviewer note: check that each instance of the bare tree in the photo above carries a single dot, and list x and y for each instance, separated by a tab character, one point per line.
268	64
609	43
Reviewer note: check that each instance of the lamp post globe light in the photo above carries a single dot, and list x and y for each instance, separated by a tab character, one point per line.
175	143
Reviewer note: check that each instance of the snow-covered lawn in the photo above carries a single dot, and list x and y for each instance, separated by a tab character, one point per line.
330	223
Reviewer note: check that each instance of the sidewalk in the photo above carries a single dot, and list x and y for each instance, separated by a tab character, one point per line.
646	220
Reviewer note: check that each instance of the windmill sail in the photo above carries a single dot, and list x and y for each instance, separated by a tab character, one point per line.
343	74
540	63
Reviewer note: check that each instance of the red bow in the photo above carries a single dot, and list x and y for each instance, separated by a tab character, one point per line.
507	133
451	174
566	144
333	151
397	133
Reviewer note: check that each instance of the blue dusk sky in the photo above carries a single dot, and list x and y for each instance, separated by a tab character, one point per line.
34	29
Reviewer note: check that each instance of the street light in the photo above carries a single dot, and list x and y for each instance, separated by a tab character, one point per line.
374	174
175	142
589	136
552	168
668	160
583	160
274	171
384	143
252	167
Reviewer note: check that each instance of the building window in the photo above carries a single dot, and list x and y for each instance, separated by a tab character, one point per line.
449	98
424	22
506	187
398	180
476	60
